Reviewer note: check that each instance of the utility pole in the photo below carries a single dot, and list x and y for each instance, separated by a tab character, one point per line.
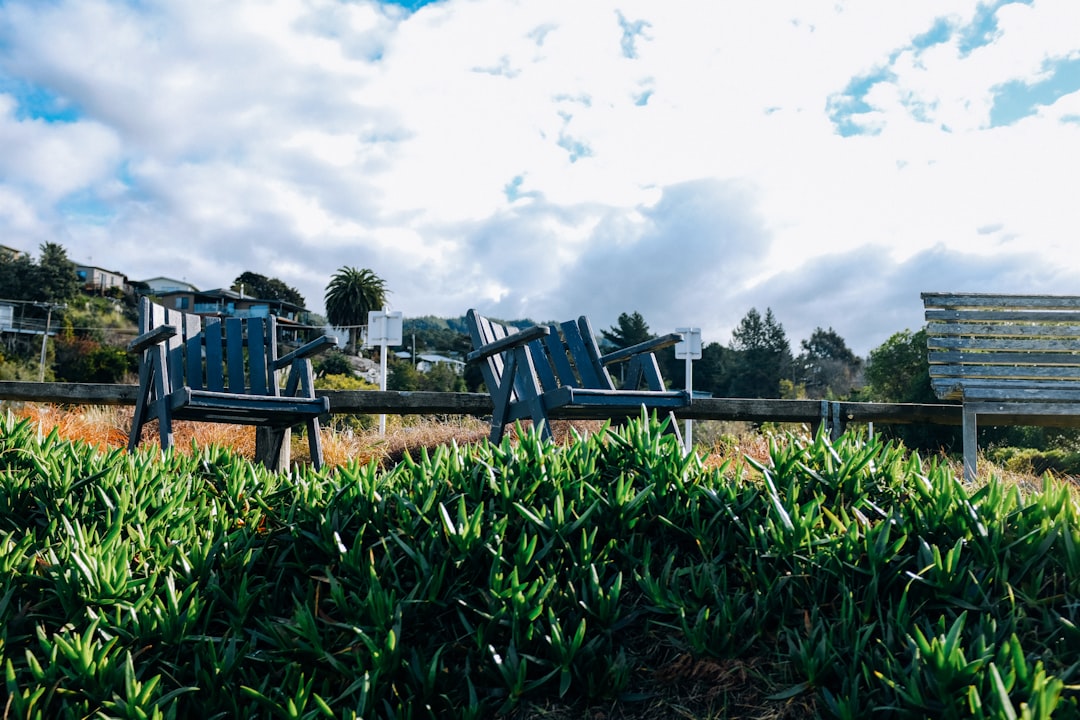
45	335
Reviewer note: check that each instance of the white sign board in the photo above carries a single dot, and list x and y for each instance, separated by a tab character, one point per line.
690	346
384	328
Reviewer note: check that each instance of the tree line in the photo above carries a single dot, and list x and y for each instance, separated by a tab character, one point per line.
758	362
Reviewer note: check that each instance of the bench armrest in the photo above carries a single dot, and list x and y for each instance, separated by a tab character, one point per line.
306	351
152	337
512	340
641	348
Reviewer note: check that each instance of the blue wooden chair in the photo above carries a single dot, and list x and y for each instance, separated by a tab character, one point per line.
224	371
559	367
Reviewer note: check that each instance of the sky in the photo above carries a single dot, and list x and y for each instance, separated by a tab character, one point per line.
688	160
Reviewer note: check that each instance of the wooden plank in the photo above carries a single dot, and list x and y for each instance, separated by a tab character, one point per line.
256	342
579	354
437	403
1027	316
1007	373
234	354
543	363
215	362
193	353
272	357
66	393
972	344
174	349
955	300
958	356
559	359
984	329
1014	394
592	350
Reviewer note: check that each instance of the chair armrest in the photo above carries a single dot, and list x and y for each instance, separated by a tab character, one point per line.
306	351
641	348
510	341
152	337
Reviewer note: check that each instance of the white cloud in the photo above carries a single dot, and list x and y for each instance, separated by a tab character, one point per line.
546	159
54	159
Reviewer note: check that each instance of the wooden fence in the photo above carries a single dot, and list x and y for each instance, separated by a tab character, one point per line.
835	414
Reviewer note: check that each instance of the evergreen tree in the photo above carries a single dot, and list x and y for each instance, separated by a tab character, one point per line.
17	277
826	366
629	330
762	356
55	280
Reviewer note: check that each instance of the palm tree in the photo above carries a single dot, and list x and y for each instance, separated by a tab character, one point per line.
350	296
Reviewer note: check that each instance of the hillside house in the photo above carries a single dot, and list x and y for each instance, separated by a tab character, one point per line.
99	280
292	319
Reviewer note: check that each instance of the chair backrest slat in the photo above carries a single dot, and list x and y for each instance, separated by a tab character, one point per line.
257	355
485	331
234	354
271	356
215	363
174	348
193	353
592	376
559	360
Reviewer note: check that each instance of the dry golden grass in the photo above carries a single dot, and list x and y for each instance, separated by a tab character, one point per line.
717	442
108	427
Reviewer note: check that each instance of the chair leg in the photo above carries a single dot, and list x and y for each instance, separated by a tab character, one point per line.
165	432
269	444
315	443
138	420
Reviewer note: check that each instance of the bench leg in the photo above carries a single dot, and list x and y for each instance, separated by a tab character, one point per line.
971	444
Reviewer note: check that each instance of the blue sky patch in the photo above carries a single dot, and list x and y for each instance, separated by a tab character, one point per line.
1017	99
631	31
940	33
86	207
575	147
983	28
412	5
38	103
845	108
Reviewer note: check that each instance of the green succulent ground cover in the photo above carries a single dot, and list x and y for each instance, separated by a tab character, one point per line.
531	580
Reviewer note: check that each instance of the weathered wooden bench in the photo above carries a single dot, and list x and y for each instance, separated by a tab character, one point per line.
224	371
1015	358
532	372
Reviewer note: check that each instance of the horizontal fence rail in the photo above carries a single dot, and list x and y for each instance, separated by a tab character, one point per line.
835	414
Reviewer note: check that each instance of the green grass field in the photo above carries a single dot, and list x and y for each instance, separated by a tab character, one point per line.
609	576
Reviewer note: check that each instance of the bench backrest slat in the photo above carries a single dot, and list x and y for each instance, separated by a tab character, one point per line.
939	358
1004	347
992	300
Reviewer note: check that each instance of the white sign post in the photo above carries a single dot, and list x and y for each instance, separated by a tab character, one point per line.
384	330
690	349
